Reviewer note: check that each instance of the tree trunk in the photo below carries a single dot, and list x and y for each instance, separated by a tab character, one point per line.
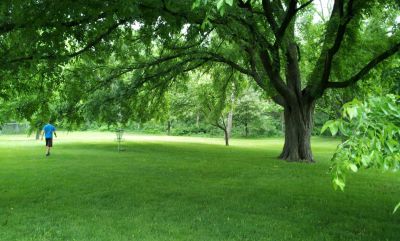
229	123
169	125
38	134
298	128
226	136
230	116
198	120
246	129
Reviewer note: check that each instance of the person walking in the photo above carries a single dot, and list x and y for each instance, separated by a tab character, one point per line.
47	132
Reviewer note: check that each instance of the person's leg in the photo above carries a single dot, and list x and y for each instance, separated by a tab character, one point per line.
48	145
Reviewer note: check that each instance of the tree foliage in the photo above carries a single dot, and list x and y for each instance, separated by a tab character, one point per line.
371	130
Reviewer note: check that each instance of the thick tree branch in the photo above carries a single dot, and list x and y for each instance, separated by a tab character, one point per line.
338	40
97	40
274	76
164	73
293	80
219	58
253	66
278	99
256	39
187	57
290	13
304	5
269	15
335	33
374	62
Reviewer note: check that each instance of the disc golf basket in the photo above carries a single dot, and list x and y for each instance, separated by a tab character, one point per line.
120	133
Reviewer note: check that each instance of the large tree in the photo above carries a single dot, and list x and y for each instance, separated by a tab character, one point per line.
155	43
263	40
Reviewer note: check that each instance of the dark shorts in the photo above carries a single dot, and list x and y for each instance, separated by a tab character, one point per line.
49	142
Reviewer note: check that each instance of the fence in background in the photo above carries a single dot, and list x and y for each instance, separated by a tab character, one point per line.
14	128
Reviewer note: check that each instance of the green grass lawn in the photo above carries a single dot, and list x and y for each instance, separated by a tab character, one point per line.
176	188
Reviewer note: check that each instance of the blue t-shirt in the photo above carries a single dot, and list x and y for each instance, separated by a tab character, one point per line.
48	130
